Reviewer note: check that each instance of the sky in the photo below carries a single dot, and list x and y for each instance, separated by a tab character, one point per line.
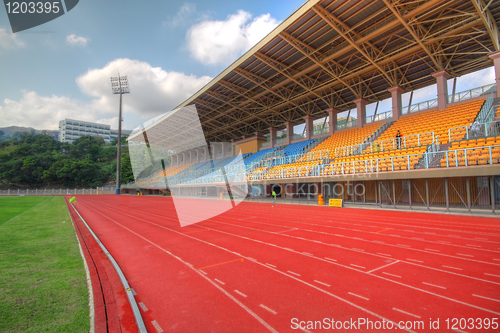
168	49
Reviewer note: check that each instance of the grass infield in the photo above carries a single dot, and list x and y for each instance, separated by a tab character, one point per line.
42	277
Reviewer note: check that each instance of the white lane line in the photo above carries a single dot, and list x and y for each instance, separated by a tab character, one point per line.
480	238
133	291
293	273
268	309
404	245
143	307
270	265
432	250
391	274
202	271
491	299
444	242
410	314
497	259
308	254
457	330
360	250
325	284
430	233
330	259
219	281
358	266
384	254
452	267
409	230
491	274
418	238
380	242
240	293
473	245
414	260
367	299
465	255
389	264
433	285
279	232
157	326
189	264
287	249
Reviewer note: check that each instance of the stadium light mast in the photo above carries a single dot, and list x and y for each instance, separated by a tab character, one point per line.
119	85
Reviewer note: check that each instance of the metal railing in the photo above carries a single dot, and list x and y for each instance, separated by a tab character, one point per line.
60	191
378	117
349	124
265	144
319	131
298	137
472	93
485	114
474	131
280	141
433	103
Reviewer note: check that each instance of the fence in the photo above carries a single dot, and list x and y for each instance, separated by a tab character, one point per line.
420	106
474	131
381	116
76	191
472	93
348	124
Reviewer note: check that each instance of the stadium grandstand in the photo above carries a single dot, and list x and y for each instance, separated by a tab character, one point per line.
329	57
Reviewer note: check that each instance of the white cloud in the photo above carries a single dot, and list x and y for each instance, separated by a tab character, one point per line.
75	40
153	91
222	42
187	14
8	40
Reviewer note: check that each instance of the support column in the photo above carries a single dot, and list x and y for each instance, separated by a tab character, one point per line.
361	110
272	135
332	119
397	103
442	77
289	132
495	57
191	156
309	126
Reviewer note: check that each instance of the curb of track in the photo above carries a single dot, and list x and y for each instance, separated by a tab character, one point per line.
135	309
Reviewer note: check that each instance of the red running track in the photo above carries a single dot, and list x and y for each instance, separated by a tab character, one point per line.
260	268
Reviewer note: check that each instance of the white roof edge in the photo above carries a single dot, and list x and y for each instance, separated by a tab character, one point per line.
285	24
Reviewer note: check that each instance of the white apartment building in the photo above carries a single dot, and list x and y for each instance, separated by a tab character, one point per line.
70	130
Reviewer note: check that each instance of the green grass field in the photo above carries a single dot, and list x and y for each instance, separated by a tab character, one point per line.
42	278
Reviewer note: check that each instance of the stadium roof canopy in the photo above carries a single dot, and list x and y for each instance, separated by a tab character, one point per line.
329	53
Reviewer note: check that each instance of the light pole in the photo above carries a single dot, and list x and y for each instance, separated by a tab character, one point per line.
119	85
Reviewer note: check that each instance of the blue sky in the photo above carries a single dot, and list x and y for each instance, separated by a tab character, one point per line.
169	50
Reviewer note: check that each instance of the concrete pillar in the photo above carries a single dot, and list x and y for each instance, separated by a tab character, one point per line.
361	109
442	77
309	126
332	119
191	156
289	132
397	103
495	57
183	158
272	135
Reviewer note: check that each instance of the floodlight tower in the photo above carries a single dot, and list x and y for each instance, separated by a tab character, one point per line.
119	85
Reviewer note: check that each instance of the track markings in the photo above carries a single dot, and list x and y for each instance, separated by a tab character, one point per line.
404	245
270	265
391	274
416	238
280	232
444	242
410	314
359	250
491	299
376	232
491	274
481	238
376	269
358	266
157	326
432	250
222	263
415	260
433	285
143	307
330	259
219	281
384	254
268	309
465	255
452	267
497	259
202	271
380	242
308	254
133	291
473	245
297	274
325	284
240	293
367	299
